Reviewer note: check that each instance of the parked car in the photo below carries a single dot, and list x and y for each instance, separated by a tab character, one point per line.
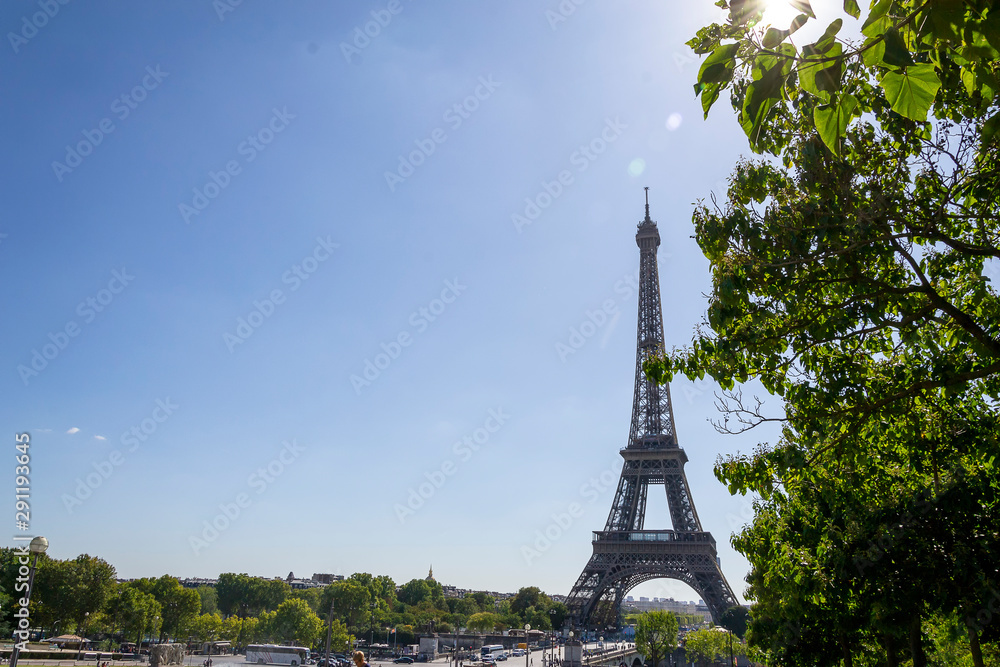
403	661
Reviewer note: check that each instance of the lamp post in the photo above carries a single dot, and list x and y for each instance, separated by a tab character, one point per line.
152	628
329	630
552	647
37	547
527	646
83	635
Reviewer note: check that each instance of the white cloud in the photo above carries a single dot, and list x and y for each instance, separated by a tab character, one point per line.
73	430
99	437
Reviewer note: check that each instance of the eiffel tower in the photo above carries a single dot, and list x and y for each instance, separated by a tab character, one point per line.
625	555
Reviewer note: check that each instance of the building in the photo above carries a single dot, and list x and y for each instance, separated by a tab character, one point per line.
299	584
667	604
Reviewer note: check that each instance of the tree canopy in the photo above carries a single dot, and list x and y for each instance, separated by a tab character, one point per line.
711	645
656	635
852	268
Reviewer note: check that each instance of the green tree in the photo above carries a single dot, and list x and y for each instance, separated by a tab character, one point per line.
209	599
206	627
295	621
851	278
351	602
341	640
251	631
735	620
92	582
538	618
484	600
384	588
248	596
484	621
311	596
464	606
656	636
134	611
559	617
180	605
414	592
52	593
233	593
532	596
232	629
711	645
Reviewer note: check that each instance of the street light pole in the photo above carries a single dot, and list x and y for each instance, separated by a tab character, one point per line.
527	646
37	547
329	630
83	635
552	647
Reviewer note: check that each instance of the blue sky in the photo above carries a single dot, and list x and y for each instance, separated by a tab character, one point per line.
200	227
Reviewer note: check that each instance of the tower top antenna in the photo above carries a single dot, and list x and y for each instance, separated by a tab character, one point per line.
647	202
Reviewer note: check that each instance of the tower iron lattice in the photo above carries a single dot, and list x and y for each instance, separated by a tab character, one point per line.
625	554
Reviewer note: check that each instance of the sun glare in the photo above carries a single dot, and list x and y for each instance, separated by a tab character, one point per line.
779	13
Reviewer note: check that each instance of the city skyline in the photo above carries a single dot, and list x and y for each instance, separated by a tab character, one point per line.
351	283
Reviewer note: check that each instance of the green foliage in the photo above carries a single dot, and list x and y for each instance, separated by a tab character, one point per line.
484	600
134	611
853	282
179	605
414	592
65	592
295	622
735	620
656	635
485	621
206	627
311	596
209	599
341	640
909	50
232	629
531	596
711	645
351	602
248	596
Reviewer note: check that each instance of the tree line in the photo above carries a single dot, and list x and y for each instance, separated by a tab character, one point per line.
83	596
854	268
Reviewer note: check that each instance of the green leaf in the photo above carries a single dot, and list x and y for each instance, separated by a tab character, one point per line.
991	126
896	53
874	50
797	23
969	80
911	92
826	42
851	7
821	77
773	37
718	67
709	94
803	6
741	11
832	120
762	93
877	21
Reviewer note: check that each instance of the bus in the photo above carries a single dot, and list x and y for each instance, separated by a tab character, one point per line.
492	651
272	654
